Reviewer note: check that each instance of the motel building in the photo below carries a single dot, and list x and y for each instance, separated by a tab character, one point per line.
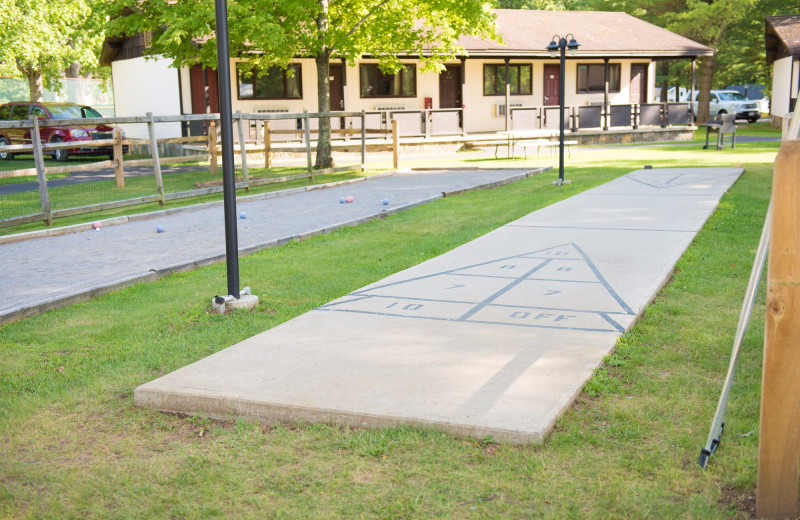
609	81
782	37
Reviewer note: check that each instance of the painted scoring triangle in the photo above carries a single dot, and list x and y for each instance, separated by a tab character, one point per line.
555	287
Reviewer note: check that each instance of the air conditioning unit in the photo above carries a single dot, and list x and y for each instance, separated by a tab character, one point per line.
388	108
500	108
272	110
595	103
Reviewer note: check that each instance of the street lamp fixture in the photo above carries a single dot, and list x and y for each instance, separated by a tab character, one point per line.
559	45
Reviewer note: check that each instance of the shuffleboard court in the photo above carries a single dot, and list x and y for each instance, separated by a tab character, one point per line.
48	272
496	337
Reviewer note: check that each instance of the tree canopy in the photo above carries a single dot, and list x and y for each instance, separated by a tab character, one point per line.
273	32
541	5
741	53
39	39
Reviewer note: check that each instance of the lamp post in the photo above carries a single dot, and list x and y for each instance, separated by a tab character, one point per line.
225	120
556	45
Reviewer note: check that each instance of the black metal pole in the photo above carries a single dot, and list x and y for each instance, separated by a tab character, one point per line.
226	129
562	46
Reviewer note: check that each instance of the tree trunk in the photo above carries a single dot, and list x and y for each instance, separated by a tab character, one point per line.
73	71
706	75
323	59
324	156
34	84
34	76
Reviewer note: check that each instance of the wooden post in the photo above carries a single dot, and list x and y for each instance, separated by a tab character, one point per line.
38	160
243	149
308	143
396	143
427	119
119	172
363	140
212	147
267	144
156	162
779	440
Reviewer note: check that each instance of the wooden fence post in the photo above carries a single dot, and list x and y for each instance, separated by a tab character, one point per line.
779	439
267	144
243	149
212	147
427	118
396	143
156	162
363	140
306	121
38	159
119	172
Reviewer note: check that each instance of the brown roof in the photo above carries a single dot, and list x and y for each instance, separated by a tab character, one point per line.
782	36
600	34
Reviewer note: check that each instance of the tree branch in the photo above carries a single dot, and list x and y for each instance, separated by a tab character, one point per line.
371	12
365	17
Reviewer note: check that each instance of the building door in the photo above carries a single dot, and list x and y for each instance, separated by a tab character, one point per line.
336	82
450	87
552	85
205	95
638	83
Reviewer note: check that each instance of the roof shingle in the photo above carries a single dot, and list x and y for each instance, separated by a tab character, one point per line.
601	34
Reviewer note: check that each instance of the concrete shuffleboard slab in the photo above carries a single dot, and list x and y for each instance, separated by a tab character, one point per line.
496	337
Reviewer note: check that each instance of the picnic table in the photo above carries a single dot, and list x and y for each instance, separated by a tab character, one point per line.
724	125
528	139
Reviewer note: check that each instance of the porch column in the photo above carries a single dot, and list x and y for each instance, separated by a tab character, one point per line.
462	116
508	94
691	95
793	91
606	81
344	85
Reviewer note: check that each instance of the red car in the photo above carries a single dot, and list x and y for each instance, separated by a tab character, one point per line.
22	110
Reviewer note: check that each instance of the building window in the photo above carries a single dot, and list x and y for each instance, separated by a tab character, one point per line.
494	79
591	78
273	83
375	83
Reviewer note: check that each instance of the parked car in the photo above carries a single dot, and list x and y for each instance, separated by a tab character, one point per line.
22	110
731	102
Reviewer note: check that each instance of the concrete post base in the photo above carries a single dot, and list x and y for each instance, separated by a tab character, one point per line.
246	301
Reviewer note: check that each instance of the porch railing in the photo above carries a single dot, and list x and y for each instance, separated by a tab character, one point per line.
602	117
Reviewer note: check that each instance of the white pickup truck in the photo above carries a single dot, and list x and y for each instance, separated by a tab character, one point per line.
731	102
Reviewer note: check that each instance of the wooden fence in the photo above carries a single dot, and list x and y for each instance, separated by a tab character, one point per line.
207	143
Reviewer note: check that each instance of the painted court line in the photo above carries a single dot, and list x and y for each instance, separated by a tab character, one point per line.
496	337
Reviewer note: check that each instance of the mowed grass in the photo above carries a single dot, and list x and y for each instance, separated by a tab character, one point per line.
97	192
74	446
104	191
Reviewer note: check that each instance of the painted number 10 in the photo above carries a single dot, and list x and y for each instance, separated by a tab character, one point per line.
408	307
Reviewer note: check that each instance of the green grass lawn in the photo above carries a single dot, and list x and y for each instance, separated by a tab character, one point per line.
105	191
74	446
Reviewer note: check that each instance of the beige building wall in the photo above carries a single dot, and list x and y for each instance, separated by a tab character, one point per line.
480	113
781	80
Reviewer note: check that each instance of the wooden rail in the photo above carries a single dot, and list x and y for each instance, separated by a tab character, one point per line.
115	150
